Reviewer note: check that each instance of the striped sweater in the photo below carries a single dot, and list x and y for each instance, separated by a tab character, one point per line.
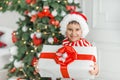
82	42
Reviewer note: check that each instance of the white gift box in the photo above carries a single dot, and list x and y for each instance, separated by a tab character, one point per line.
77	69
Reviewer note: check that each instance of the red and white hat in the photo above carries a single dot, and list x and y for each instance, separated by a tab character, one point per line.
76	16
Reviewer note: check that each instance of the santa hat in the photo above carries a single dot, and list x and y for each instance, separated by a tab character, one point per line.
75	16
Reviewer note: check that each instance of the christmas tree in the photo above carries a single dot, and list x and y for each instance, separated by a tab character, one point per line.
39	26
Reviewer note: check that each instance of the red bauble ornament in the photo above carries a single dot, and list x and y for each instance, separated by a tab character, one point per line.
30	1
34	61
54	22
40	14
37	41
33	18
55	40
13	70
26	12
14	38
70	8
20	79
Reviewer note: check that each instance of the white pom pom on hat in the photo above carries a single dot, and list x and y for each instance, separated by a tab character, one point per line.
75	16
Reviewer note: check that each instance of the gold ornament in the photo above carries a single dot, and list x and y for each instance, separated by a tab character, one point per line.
25	75
28	66
59	32
65	1
26	52
44	32
58	1
21	69
14	33
22	38
31	43
1	8
19	1
31	4
7	2
24	42
35	48
45	26
53	34
38	30
37	7
32	51
30	29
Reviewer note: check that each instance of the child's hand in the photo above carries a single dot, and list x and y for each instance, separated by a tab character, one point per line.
95	70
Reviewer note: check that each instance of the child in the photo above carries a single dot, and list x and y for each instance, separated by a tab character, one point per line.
75	28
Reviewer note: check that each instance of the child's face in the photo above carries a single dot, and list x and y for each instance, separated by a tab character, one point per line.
73	32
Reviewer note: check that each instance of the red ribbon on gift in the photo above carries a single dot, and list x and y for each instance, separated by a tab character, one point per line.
70	56
65	55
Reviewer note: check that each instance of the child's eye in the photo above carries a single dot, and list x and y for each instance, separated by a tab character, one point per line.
77	29
70	29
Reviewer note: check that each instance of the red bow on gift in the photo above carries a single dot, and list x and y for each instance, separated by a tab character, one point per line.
65	55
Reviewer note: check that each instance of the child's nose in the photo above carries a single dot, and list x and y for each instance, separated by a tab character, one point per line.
73	32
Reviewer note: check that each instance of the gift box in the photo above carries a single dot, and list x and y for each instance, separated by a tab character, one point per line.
67	62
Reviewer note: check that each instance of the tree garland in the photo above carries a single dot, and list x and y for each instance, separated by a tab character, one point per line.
39	26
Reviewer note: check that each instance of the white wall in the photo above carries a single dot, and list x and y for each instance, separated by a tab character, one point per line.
7	25
104	21
8	19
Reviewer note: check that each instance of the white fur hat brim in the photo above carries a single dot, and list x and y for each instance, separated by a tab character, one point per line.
70	17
